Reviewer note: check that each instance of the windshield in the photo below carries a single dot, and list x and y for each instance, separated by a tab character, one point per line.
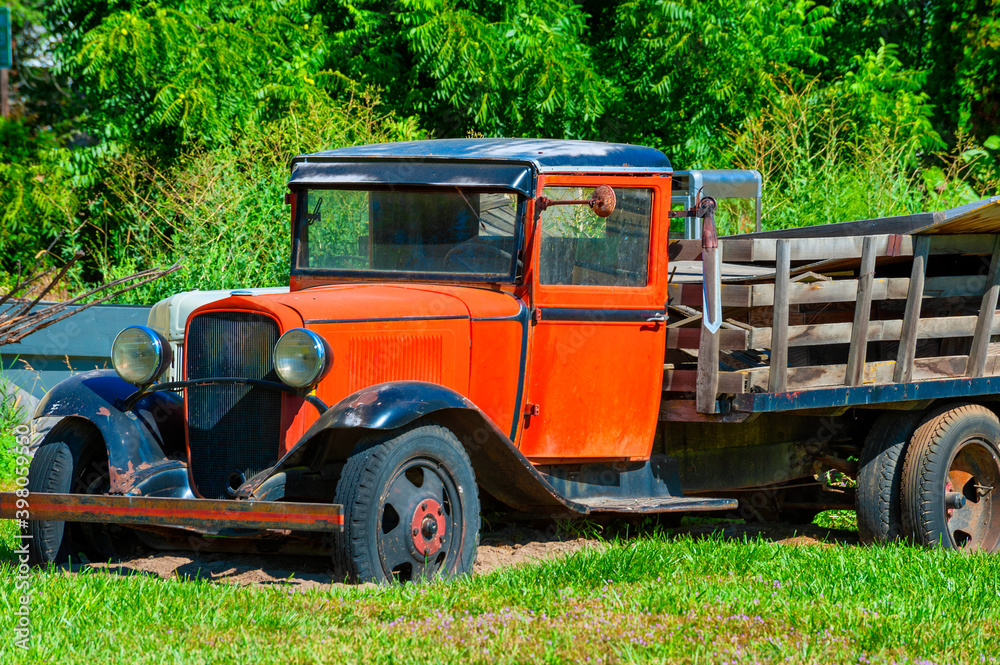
455	232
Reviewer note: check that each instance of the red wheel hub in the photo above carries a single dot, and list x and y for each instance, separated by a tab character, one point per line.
428	527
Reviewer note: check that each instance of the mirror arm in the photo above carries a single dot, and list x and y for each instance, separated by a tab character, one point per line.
602	202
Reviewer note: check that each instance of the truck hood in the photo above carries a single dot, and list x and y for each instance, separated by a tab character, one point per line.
381	302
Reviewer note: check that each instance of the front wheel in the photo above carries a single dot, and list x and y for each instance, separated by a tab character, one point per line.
411	508
73	459
951	480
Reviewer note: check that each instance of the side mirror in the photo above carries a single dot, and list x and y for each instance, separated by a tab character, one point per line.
602	201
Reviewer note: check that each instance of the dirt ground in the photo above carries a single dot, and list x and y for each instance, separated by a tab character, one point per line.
506	545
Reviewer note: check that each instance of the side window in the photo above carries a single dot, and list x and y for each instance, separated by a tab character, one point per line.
580	248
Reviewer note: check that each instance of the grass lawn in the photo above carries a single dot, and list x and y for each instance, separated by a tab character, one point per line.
652	599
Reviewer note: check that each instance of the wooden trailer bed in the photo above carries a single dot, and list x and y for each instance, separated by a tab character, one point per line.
891	310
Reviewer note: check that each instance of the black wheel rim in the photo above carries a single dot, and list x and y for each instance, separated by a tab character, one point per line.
420	526
972	508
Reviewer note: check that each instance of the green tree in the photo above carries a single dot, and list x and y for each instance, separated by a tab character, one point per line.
496	68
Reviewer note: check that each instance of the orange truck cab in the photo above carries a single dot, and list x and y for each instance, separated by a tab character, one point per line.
477	322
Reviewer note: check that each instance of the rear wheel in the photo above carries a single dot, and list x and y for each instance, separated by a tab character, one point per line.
72	459
411	508
880	473
950	486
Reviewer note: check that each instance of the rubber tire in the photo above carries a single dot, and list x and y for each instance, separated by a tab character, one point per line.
368	469
51	470
926	467
880	475
72	458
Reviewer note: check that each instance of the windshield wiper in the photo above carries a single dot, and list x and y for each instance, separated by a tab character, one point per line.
471	207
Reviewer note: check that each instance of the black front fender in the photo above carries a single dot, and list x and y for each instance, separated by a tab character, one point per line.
139	439
500	468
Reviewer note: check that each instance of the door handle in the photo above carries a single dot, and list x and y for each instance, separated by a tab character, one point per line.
659	317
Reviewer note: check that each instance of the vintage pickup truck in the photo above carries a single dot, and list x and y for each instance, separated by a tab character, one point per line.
508	324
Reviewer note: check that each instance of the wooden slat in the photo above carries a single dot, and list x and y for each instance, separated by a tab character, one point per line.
911	317
841	290
685	411
818	376
807	249
981	338
972	243
878	331
826	376
690	338
778	379
686	380
862	313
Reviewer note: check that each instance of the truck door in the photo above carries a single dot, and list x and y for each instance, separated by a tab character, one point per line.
595	372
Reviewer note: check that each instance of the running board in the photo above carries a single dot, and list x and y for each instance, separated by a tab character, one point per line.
663	504
184	513
630	487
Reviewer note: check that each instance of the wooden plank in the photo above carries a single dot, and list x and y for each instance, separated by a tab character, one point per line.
778	378
911	316
899	224
979	217
954	287
826	376
878	331
707	389
686	380
685	411
748	249
862	313
841	290
733	295
818	376
973	243
981	338
690	338
943	367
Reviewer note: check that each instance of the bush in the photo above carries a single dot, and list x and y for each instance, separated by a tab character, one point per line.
221	212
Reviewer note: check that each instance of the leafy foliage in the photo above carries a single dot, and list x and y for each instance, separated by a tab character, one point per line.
494	67
152	130
690	68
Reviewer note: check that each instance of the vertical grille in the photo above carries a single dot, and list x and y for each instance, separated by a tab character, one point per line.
231	429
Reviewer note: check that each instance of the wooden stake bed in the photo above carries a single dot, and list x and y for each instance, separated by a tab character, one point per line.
814	311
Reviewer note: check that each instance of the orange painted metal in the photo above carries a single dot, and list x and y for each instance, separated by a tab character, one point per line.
595	382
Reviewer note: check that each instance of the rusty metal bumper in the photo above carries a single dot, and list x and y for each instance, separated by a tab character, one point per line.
184	513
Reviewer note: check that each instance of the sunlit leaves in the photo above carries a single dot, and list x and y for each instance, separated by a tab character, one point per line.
512	69
203	71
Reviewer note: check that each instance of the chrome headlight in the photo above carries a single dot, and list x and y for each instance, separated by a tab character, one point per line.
301	357
140	355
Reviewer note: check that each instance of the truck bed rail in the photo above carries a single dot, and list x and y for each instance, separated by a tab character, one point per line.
861	319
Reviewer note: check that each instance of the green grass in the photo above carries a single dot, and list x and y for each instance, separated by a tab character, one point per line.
654	599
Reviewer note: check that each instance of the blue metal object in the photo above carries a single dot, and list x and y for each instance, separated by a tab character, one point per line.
719	184
137	440
77	344
543	154
6	57
321	172
823	398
